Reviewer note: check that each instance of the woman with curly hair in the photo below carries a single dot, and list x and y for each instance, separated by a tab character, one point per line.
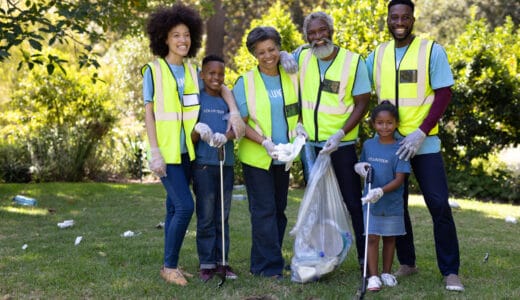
171	96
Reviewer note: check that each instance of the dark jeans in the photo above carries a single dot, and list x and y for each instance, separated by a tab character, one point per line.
179	209
267	194
429	171
343	161
206	186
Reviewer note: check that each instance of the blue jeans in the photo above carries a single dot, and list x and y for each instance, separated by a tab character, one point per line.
430	174
179	209
267	193
206	186
343	161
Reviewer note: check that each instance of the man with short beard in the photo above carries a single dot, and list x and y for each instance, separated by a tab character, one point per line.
335	90
414	75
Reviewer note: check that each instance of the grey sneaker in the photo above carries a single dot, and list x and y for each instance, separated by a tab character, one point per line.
406	270
453	283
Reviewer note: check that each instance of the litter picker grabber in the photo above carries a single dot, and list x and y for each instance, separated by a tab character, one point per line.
361	292
222	273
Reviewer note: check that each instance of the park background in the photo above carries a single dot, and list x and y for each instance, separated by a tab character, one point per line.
72	136
70	86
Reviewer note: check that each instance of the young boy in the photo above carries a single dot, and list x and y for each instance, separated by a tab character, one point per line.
210	135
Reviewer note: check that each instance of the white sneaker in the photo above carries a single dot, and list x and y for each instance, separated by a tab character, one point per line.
388	279
374	283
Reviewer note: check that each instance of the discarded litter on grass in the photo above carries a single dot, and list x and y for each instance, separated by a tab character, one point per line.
78	240
159	225
510	219
130	233
454	204
66	224
25	201
24	246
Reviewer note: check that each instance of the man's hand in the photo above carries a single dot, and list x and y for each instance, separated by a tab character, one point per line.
333	142
204	131
156	163
289	64
411	144
218	140
270	148
372	196
362	168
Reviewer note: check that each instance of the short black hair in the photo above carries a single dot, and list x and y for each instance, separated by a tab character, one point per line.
212	57
405	2
260	34
384	106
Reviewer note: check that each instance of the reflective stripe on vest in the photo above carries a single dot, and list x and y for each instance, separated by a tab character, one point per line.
327	104
413	90
259	107
169	111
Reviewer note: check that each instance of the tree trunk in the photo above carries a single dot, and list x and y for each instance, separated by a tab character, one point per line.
215	30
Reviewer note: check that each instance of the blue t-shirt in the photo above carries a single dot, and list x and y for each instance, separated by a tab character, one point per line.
361	84
440	76
148	92
214	112
273	86
385	164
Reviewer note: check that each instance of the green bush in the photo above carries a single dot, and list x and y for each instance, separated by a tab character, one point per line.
14	163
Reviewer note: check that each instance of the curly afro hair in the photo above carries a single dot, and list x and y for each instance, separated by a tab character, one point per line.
164	19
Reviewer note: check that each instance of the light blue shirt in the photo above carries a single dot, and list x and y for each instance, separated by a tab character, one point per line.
274	90
440	76
148	92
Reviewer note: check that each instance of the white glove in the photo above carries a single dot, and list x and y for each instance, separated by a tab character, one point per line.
270	148
362	168
237	124
410	144
333	142
289	64
204	132
288	152
218	140
300	130
156	163
372	196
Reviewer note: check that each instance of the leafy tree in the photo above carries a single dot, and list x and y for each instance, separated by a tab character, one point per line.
46	23
359	25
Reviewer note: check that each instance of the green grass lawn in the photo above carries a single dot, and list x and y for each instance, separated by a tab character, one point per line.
106	265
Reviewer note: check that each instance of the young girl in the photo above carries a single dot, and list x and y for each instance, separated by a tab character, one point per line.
389	172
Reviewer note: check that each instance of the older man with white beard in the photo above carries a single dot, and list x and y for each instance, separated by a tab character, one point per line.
335	90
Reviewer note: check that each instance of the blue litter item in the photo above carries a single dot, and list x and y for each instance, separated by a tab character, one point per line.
25	201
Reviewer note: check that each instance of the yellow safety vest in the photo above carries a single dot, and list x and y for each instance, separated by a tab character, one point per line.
413	94
259	107
171	112
327	104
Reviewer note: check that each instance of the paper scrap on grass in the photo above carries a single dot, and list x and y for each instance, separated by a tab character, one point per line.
454	204
511	219
66	224
78	240
24	246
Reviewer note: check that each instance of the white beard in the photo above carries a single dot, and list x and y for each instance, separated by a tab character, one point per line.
324	50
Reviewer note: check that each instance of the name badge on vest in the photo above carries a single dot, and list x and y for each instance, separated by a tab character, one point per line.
292	110
190	100
407	76
330	86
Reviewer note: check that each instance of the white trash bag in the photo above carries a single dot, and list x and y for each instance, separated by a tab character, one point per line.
322	231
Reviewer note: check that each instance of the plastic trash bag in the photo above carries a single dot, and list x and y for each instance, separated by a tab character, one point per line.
322	231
